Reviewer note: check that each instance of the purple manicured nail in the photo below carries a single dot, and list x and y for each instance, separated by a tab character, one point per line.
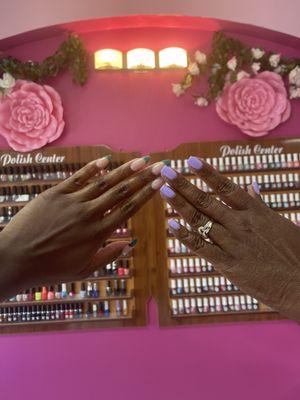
168	172
255	187
166	191
195	163
174	224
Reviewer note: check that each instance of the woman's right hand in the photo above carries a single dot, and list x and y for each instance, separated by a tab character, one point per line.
57	236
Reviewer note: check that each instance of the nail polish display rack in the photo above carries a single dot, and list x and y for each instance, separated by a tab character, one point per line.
112	297
189	290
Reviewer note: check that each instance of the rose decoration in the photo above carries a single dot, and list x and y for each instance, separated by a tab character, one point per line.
31	115
256	105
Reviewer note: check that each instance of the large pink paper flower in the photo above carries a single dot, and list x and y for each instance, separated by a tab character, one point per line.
31	116
256	105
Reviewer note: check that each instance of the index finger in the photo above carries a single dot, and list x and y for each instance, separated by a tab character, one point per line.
226	189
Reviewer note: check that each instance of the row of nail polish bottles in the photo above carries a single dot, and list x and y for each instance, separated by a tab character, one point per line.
116	268
293	217
189	265
215	304
282	200
201	285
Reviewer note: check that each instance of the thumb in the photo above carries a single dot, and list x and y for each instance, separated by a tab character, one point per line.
253	191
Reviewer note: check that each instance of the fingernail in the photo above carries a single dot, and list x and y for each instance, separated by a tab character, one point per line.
109	157
157	168
174	224
166	191
103	162
167	162
256	187
140	163
127	249
195	163
157	184
168	172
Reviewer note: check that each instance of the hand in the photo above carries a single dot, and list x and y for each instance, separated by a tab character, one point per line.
253	246
56	236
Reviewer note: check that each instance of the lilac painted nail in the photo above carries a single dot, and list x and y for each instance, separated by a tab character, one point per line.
256	187
166	191
173	224
168	172
195	163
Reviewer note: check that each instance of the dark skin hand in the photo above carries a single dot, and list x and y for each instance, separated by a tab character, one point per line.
59	236
253	246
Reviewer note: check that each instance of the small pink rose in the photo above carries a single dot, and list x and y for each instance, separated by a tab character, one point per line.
256	105
31	116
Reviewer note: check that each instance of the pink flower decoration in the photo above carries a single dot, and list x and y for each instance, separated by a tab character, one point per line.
31	116
256	105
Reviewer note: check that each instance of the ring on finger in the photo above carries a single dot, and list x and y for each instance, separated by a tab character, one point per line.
204	230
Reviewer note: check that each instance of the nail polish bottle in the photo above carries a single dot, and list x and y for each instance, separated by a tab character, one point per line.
193	306
272	182
52	313
296	160
89	311
120	269
178	266
255	304
216	284
72	291
124	307
205	305
199	305
264	162
179	166
233	164
252	163
185	266
277	161
82	293
126	268
285	200
246	163
221	164
243	303
179	286
197	265
172	266
89	289
38	294
210	284
227	166
174	307
14	315
192	285
108	289
180	306
123	287
95	310
278	181
191	263
215	163
237	303
290	181
64	291
289	160
173	290
209	267
19	297
230	303
218	304
106	309
278	200
187	306
212	307
58	292
198	285
297	199
95	292
203	265
57	311
44	294
186	288
224	304
47	313
204	284
116	291
229	285
118	308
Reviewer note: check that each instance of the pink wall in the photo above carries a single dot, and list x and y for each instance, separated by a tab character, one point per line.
232	361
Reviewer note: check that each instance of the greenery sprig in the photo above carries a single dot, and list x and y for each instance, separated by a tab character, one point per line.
71	55
217	70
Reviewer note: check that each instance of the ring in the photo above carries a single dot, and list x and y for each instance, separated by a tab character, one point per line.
204	230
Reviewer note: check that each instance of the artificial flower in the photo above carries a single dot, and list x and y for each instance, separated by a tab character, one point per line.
201	102
294	76
257	53
274	60
255	67
200	57
255	105
193	69
7	82
242	74
177	89
232	64
215	67
294	92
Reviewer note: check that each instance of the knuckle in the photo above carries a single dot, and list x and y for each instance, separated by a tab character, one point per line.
183	184
101	184
203	200
123	190
196	218
129	208
225	186
198	244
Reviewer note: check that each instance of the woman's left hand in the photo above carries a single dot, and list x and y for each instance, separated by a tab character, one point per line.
253	246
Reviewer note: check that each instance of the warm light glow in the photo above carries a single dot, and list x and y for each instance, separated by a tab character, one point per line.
173	57
108	59
140	59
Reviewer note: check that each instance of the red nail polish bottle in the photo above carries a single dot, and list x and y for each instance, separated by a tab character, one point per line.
44	293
